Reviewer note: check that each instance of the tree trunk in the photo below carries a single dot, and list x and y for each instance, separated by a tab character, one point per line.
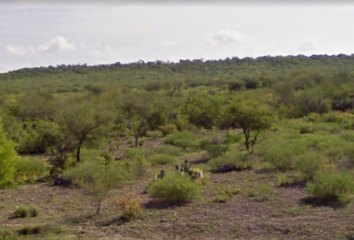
98	208
136	140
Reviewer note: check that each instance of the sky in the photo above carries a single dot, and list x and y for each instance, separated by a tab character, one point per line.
34	34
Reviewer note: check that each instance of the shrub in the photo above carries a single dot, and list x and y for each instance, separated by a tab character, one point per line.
185	140
213	145
225	193
174	188
30	169
31	230
25	211
154	134
282	179
261	193
306	129
232	160
162	159
280	152
168	149
232	137
331	187
7	159
137	167
132	153
309	163
130	204
97	178
168	129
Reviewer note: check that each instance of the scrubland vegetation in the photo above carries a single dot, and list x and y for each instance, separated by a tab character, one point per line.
82	149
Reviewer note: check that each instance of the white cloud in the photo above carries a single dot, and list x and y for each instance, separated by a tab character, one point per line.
57	44
227	36
20	51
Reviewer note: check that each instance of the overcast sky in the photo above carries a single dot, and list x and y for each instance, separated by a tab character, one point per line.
38	34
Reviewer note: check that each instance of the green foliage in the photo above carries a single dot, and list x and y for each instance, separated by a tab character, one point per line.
8	159
231	138
162	159
97	178
37	136
25	211
225	193
168	129
261	193
184	140
131	153
331	187
214	145
137	166
233	160
175	188
154	134
29	169
251	117
280	151
168	149
306	129
309	163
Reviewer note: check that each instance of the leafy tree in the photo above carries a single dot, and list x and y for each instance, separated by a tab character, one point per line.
251	117
7	159
84	122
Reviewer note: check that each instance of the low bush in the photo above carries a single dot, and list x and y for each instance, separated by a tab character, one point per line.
25	211
174	188
261	193
162	159
331	187
31	230
29	169
306	129
281	151
154	134
185	140
223	194
168	149
231	138
168	129
214	145
130	204
131	153
309	163
96	178
232	160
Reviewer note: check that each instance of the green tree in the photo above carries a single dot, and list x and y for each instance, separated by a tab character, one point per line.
85	122
251	117
7	159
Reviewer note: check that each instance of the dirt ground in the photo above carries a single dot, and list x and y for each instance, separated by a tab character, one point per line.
282	216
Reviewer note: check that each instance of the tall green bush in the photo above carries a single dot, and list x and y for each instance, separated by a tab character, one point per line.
174	188
8	159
